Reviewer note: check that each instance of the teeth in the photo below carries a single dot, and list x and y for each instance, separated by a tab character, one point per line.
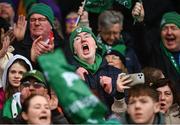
43	117
84	45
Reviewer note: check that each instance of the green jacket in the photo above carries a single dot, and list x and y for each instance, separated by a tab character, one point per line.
7	109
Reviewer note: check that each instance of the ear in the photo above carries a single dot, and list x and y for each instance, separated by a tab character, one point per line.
75	52
156	107
96	47
24	116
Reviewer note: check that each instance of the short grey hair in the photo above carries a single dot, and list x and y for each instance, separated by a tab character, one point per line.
109	17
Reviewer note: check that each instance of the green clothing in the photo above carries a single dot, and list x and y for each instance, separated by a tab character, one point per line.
7	112
93	68
78	102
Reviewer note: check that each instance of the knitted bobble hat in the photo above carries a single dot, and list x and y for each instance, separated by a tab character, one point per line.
43	9
170	17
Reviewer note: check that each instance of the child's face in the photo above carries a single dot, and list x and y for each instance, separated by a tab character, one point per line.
142	109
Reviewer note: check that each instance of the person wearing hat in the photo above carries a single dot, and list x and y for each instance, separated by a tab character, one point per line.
92	68
111	34
33	82
116	57
164	53
40	37
7	11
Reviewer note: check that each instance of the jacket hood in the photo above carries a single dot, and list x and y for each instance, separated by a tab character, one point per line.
10	62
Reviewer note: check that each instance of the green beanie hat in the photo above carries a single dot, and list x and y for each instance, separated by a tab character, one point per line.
77	31
170	17
34	74
9	2
43	9
118	50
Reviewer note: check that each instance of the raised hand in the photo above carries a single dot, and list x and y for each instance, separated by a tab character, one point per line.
53	100
81	72
84	21
122	82
8	33
106	83
19	28
138	12
39	47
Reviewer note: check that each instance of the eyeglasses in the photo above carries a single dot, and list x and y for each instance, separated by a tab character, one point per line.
41	19
71	20
36	85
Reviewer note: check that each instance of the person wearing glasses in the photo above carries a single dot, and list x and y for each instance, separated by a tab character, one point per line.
33	82
41	36
110	28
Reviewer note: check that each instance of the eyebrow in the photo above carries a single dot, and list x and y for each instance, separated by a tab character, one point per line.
85	33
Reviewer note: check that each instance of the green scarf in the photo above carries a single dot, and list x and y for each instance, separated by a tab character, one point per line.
105	47
90	67
171	58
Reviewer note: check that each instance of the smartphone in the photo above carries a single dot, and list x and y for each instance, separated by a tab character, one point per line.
137	78
50	37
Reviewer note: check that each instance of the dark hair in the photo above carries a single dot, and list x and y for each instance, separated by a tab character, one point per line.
151	74
143	90
166	82
10	90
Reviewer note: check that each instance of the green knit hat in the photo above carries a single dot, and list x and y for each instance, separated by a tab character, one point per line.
118	50
170	17
43	9
77	31
34	74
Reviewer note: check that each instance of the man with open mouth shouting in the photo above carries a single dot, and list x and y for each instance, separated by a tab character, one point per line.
91	67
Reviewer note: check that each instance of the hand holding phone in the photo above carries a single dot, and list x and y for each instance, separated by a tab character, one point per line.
137	78
122	82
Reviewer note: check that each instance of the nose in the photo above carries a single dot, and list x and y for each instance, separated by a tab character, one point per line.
37	22
17	75
31	88
112	37
137	105
109	59
83	38
169	31
162	97
44	110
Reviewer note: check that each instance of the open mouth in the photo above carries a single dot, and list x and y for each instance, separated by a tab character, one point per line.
43	118
85	48
170	39
162	104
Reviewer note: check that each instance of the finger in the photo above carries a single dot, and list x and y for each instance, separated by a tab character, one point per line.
8	32
43	46
12	39
38	39
125	78
126	87
2	33
127	82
